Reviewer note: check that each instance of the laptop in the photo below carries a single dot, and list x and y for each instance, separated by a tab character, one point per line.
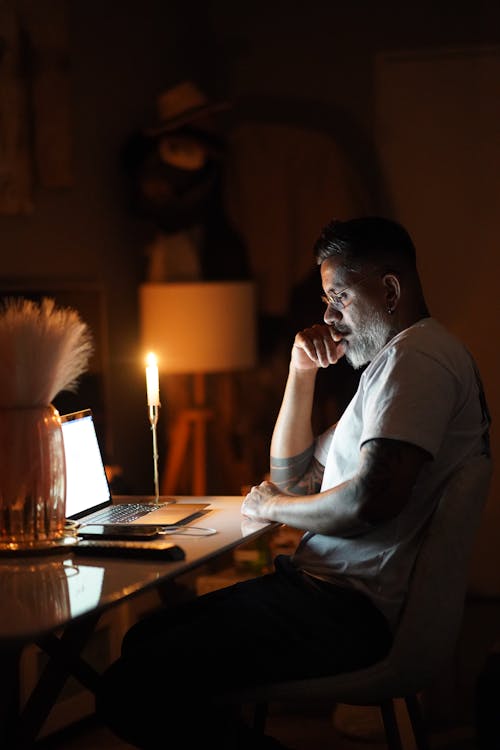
88	495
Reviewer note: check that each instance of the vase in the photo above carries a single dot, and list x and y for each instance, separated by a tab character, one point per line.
32	479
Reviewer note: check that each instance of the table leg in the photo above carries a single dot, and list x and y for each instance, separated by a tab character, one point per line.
64	661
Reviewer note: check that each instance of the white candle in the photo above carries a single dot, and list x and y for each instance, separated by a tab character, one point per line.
152	380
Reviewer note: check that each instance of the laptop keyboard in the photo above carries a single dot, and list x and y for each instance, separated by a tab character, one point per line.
124	513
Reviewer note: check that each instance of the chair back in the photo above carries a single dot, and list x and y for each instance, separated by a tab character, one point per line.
431	621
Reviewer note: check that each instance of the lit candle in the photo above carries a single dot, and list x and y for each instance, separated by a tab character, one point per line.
152	381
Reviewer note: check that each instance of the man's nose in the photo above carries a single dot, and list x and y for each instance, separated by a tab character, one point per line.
332	315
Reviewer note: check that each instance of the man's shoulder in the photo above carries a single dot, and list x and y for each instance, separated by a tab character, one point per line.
425	341
429	337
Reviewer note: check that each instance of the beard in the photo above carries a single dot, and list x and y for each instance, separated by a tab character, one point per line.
371	338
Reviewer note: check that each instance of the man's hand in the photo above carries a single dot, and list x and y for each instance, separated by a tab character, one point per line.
318	346
258	504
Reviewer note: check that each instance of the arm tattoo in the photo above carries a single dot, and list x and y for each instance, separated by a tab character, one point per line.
388	473
300	474
380	461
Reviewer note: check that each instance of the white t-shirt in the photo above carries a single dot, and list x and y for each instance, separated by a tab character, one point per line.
422	389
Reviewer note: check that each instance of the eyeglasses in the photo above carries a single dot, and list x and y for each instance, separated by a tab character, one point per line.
337	300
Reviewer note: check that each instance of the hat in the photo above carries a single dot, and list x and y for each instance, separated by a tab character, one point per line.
180	105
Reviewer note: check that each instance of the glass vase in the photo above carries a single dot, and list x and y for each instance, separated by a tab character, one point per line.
32	478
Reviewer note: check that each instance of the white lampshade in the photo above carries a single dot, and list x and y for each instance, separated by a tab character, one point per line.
199	326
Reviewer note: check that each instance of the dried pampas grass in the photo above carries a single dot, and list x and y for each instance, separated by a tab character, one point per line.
43	350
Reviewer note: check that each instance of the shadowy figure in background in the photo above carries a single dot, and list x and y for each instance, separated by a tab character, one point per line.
175	169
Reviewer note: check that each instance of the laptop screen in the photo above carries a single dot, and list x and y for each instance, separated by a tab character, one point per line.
86	482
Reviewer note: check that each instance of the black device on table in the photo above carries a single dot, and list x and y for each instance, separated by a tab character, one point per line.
117	531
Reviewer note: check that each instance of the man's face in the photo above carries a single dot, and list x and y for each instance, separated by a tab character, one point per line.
359	310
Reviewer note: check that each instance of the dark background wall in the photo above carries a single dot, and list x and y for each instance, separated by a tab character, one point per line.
309	63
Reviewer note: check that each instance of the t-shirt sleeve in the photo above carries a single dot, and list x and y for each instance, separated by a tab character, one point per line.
410	396
322	445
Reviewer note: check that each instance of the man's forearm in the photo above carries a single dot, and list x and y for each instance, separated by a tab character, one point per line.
293	430
333	512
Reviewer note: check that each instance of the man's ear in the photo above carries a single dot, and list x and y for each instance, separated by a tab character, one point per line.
392	291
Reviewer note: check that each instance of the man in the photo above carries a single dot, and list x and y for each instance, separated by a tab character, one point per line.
362	492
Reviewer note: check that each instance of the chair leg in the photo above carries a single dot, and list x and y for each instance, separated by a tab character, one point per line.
391	726
417	722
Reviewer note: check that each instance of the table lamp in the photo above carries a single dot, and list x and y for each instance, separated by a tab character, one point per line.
197	328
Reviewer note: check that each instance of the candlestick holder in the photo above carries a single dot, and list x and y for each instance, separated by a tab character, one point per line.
153	420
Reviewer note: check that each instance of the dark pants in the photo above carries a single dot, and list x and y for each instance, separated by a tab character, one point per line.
276	627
